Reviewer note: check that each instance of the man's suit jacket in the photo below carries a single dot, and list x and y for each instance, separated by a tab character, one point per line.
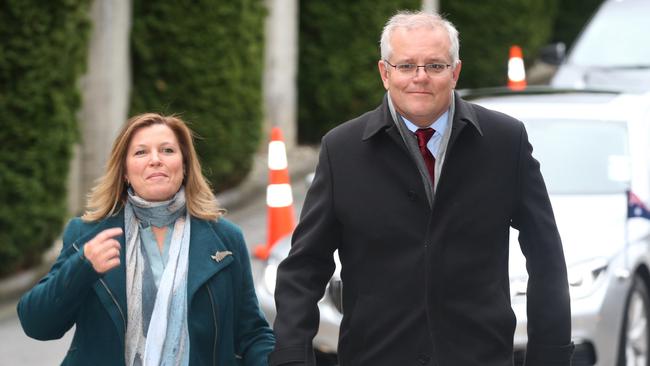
422	285
225	324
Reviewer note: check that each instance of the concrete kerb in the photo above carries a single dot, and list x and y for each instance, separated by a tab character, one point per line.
302	160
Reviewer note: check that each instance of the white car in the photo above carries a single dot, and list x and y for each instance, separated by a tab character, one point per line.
330	306
593	147
612	51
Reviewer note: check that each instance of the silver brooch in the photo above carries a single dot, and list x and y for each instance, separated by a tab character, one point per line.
219	256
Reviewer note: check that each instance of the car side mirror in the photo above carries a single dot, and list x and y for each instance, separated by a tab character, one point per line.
553	54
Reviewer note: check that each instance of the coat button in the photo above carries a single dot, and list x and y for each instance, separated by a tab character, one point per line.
412	195
424	359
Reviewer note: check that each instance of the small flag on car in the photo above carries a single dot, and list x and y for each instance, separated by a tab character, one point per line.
636	207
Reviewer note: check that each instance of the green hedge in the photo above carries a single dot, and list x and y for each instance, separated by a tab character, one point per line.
339	49
42	54
338	76
488	29
203	59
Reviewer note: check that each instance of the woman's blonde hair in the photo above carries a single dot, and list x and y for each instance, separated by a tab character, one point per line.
109	194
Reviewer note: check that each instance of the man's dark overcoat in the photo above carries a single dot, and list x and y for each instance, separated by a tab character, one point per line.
425	285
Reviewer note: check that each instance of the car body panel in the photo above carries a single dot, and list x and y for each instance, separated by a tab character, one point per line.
612	51
594	228
326	340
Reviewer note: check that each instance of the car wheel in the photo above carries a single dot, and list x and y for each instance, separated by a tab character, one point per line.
634	342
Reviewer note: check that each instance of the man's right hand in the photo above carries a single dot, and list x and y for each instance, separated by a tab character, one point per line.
103	251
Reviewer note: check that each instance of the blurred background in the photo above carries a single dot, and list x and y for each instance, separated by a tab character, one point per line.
73	71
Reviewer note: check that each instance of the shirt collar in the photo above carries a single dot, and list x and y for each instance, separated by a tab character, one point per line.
440	125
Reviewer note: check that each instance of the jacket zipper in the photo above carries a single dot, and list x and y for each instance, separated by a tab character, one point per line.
216	329
110	293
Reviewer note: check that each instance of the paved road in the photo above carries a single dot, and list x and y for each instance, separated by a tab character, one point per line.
18	349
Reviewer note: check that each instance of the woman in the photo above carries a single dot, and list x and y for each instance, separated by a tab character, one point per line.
151	274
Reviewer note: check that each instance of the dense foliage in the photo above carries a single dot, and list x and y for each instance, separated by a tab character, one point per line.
42	54
339	49
203	60
488	29
338	76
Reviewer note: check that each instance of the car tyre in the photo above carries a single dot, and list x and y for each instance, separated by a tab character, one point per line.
635	336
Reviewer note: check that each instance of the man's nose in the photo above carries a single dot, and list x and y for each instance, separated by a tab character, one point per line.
420	74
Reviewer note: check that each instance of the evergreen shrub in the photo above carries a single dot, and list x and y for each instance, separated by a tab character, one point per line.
203	60
339	49
338	77
488	29
42	54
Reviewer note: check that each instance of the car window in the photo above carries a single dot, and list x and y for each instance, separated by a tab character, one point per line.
616	37
581	157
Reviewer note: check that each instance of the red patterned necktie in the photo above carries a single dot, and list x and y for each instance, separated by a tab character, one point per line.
423	135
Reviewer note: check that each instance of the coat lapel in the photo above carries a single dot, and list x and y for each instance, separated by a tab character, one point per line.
383	121
208	255
116	279
456	128
111	287
379	120
464	114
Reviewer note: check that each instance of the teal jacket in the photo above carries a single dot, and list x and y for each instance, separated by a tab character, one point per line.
226	326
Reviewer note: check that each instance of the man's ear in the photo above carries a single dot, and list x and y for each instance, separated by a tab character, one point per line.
456	72
383	73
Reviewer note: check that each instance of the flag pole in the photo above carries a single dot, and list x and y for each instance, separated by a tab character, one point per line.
624	273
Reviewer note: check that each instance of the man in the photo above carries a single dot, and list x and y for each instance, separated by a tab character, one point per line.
422	227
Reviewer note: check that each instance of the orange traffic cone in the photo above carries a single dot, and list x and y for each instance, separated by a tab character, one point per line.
279	197
516	70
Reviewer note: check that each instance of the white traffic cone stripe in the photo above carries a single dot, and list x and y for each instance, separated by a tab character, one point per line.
279	195
277	155
516	70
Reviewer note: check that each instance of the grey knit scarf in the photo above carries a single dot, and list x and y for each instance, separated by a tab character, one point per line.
156	332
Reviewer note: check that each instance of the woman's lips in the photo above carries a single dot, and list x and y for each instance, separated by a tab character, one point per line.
157	175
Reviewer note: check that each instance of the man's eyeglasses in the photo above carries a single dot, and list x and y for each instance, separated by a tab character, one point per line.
411	69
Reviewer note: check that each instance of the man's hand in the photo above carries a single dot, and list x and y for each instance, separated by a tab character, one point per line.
103	251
